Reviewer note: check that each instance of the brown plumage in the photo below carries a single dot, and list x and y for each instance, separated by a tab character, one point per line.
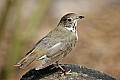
54	46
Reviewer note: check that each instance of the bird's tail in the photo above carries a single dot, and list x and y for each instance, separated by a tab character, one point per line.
26	61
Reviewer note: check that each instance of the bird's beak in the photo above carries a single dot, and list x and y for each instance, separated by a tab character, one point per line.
80	17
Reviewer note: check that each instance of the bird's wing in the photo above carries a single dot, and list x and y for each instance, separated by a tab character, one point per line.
53	54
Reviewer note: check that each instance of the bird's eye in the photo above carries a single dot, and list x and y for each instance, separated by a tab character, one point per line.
69	20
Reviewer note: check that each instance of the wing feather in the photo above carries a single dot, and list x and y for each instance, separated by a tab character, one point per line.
54	54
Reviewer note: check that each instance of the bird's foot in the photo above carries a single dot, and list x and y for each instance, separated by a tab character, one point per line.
62	69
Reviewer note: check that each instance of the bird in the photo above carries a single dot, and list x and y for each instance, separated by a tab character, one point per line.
55	45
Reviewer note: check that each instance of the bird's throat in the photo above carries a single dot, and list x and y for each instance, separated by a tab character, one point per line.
73	29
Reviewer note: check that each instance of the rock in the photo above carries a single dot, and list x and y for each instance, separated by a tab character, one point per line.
73	72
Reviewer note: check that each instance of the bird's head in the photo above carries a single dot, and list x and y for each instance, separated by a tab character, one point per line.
70	20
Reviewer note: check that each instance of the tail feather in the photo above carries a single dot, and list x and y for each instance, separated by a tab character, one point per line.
25	62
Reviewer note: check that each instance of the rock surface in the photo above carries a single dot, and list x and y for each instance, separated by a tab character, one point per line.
73	72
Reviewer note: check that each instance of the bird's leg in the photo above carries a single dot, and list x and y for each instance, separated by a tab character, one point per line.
63	70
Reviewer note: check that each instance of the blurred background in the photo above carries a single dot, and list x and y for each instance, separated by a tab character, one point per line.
24	22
